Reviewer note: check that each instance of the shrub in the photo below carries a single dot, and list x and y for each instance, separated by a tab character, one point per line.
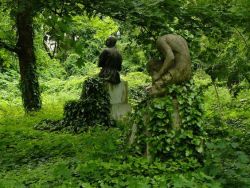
93	109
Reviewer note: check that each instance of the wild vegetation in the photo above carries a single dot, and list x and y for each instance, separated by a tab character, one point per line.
39	78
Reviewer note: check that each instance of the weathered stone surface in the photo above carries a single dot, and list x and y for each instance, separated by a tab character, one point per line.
119	99
118	93
119	110
175	68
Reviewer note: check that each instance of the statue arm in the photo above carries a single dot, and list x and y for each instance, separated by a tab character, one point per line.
166	50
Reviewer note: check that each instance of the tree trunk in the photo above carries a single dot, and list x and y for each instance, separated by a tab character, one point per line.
27	61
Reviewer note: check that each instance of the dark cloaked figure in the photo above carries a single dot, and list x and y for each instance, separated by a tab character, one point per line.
111	62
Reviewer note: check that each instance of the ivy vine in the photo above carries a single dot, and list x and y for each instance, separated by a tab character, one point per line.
165	142
92	109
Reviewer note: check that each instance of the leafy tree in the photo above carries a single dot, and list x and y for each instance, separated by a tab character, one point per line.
23	13
147	19
84	37
24	48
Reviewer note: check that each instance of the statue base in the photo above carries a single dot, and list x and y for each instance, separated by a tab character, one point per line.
170	126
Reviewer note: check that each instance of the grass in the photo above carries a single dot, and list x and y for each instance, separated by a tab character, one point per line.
29	157
32	158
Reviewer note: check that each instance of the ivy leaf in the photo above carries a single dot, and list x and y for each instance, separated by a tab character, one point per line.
200	149
189	134
161	115
234	145
62	171
188	152
242	157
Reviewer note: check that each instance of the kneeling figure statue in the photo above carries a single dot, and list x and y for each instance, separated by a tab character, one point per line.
175	68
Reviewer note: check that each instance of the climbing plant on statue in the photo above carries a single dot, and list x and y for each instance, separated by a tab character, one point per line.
153	133
92	109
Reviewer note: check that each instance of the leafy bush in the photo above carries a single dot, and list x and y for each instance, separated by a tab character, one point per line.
9	86
137	172
227	162
137	83
227	150
92	109
72	65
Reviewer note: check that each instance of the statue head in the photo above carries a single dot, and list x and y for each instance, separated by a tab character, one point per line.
111	41
154	65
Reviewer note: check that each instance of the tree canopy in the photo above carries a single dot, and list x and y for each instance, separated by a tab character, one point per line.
211	27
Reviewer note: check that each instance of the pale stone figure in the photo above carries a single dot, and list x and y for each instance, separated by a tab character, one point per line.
119	99
176	66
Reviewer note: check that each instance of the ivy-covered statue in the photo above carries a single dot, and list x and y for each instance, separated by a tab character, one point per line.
175	68
110	60
168	123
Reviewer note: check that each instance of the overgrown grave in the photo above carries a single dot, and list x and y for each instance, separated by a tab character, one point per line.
91	110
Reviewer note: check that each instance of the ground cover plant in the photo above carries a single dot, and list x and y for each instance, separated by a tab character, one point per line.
61	46
98	158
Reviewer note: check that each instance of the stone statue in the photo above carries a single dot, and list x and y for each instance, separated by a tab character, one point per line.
110	60
170	105
176	66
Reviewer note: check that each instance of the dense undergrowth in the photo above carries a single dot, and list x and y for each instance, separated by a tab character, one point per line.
97	158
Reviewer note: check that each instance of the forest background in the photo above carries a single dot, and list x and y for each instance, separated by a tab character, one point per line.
66	37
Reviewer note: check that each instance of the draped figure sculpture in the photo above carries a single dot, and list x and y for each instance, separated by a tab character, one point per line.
110	60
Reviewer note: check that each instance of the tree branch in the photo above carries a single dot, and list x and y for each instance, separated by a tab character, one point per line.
8	47
245	41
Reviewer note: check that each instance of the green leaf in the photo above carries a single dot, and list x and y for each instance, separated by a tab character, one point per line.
200	149
242	157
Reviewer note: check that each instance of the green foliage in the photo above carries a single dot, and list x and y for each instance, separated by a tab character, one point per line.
83	40
227	125
71	64
40	159
229	60
228	163
134	58
93	109
31	153
9	86
7	33
139	173
138	82
153	119
227	156
218	36
97	157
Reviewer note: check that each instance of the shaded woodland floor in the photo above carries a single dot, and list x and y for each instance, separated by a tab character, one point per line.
32	158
